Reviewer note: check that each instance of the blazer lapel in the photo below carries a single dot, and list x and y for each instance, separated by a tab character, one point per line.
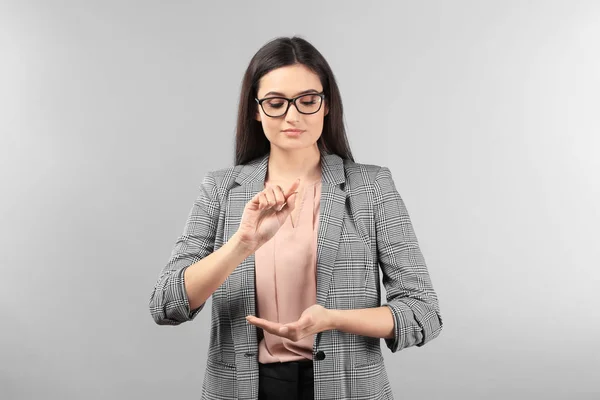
331	213
240	285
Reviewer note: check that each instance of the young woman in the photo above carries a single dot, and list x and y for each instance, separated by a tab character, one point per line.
290	243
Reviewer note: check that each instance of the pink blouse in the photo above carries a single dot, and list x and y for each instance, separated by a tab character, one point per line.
286	276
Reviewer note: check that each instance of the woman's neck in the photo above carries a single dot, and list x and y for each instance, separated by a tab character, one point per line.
287	166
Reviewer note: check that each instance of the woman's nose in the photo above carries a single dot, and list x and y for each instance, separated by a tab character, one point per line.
292	113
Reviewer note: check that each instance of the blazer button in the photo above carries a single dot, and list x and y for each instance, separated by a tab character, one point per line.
320	355
248	354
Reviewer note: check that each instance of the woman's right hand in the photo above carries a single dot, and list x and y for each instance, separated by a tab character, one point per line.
265	214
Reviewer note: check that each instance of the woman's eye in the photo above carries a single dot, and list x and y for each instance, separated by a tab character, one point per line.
275	105
308	103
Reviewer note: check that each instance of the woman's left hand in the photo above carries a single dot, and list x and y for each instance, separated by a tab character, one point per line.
314	319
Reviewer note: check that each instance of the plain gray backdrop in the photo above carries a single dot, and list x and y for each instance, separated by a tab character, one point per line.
486	112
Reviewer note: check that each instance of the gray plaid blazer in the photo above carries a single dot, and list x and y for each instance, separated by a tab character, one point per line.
364	227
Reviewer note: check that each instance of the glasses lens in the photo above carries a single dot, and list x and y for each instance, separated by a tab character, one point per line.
309	104
274	107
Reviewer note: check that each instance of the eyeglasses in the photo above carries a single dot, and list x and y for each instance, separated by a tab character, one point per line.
305	104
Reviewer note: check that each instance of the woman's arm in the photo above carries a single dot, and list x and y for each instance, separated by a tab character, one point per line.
194	270
374	322
204	277
410	294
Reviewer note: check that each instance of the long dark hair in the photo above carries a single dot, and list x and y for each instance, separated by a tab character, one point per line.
250	141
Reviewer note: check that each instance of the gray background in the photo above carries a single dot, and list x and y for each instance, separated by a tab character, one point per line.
486	113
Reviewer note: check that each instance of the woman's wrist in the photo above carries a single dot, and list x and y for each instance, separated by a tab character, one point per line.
333	319
243	246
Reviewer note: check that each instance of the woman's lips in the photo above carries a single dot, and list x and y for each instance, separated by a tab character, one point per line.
293	132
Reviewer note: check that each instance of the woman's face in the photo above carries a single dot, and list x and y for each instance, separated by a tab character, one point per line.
289	82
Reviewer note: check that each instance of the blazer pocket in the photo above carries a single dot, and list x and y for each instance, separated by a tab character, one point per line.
371	380
370	360
220	381
220	364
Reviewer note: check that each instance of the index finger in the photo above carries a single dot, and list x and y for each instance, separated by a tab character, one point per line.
292	188
271	327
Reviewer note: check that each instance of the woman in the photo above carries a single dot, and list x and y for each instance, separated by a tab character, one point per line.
289	243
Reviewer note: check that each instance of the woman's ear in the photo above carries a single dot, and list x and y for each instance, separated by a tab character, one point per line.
257	115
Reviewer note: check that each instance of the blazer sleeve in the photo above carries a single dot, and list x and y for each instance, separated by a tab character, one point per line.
169	304
409	292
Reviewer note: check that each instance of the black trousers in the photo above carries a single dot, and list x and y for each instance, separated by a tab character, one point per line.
292	380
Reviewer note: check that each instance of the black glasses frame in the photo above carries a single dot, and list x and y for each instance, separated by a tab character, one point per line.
290	102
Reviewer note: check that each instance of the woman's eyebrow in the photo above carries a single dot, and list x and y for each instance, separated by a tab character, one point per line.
297	94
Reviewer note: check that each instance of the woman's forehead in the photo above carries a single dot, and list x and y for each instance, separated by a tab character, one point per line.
289	81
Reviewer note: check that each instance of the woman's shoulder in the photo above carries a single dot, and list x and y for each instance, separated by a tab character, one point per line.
223	177
367	167
227	177
363	172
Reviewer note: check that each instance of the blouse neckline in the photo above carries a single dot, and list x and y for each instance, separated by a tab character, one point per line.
301	183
